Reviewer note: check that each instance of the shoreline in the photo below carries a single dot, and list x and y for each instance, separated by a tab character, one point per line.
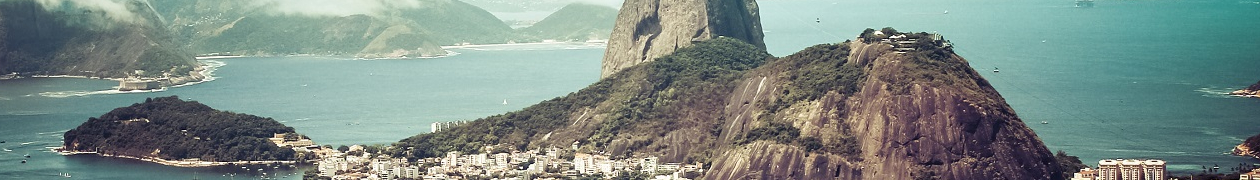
203	73
520	44
175	163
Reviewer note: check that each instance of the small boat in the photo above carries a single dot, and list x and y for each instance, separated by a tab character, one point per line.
3	141
27	155
67	175
1043	41
995	69
817	20
1044	122
946	12
23	161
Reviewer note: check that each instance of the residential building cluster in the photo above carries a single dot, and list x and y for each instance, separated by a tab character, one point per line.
439	126
1125	169
1254	174
543	163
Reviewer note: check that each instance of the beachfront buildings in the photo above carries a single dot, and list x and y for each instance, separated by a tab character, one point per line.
544	163
1131	169
1085	174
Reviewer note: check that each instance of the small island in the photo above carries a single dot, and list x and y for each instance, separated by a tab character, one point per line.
170	131
1250	91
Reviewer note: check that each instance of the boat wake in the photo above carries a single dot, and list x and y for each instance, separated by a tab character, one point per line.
27	113
1215	92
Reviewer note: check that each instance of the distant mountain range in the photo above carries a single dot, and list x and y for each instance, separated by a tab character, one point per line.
100	39
268	28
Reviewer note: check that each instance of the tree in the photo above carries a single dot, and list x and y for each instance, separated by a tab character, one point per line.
343	148
1068	164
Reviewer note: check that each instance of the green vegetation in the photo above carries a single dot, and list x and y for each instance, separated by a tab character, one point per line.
575	22
692	79
39	41
1068	164
817	70
170	128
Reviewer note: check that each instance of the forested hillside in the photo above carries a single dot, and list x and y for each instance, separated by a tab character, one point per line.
170	128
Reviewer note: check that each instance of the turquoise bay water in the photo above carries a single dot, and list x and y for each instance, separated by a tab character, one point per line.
1126	79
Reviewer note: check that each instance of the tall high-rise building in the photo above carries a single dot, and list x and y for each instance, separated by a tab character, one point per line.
1131	169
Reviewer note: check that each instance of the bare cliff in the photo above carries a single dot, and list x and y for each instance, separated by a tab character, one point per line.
647	29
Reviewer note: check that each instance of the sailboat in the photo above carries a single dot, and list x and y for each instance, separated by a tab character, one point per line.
504	101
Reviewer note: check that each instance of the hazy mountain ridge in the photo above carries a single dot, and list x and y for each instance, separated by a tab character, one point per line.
378	29
575	22
65	39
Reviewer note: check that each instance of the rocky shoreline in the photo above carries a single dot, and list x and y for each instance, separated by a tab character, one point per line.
1252	91
1243	150
199	74
176	163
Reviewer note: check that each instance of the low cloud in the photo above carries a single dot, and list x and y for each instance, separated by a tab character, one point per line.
113	9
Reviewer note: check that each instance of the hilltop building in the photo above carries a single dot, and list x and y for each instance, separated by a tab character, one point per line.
283	140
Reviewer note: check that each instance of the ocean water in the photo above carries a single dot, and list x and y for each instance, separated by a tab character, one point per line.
1126	79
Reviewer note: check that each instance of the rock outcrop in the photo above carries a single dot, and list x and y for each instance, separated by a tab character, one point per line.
648	29
1250	91
912	117
1248	147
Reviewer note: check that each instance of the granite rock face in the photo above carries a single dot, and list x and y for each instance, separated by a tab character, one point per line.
648	29
906	127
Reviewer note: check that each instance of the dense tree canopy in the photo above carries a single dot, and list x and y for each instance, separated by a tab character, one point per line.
170	128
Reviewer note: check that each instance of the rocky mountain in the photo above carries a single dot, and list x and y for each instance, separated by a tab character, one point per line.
647	29
851	110
387	29
86	39
1250	91
574	22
